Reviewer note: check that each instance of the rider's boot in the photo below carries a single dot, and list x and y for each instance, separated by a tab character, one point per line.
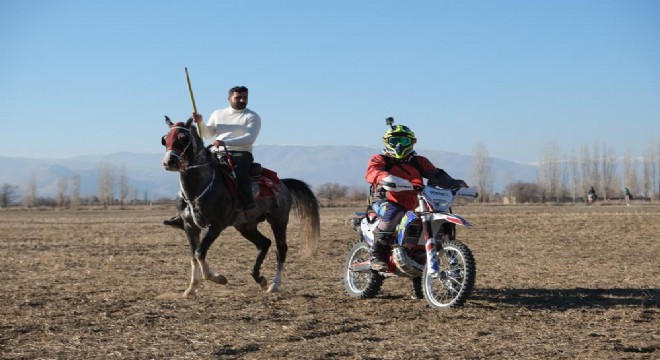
380	252
175	221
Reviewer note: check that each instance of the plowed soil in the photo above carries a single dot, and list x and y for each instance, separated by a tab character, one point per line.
553	282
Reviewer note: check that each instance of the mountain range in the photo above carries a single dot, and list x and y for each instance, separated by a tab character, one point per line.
316	165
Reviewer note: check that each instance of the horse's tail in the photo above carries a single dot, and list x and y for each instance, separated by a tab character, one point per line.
307	207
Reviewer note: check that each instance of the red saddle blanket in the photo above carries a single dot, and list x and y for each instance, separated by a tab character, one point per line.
268	182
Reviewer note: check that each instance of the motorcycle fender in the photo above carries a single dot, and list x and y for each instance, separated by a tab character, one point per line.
367	230
452	218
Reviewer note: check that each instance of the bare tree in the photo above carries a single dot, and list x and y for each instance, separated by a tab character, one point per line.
482	172
75	191
630	173
7	195
573	174
106	185
595	168
132	195
332	191
358	193
549	172
123	184
656	161
62	187
31	192
523	192
609	171
588	176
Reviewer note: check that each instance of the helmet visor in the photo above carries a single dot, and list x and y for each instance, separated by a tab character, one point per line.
399	140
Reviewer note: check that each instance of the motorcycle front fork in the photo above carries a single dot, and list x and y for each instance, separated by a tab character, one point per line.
431	248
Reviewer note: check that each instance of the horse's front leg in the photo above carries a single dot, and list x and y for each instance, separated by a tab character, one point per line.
195	277
200	256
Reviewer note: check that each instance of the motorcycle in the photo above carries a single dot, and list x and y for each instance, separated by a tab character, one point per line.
442	268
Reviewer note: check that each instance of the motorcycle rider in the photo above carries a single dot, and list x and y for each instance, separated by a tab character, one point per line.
398	159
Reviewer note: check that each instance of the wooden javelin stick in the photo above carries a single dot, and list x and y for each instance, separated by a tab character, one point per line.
192	97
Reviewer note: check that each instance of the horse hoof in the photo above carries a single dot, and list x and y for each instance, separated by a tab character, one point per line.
273	289
219	279
189	293
263	282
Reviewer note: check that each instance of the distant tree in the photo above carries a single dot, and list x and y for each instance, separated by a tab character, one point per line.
8	193
75	191
482	172
610	182
630	173
524	191
357	193
106	185
45	201
331	191
132	195
123	184
573	175
31	192
62	187
550	172
655	176
651	175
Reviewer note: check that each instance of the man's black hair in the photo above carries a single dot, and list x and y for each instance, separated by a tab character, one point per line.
238	89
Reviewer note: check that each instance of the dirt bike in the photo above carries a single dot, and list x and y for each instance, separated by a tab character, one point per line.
442	269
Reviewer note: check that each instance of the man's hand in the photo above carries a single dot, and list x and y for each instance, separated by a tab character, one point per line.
218	143
198	117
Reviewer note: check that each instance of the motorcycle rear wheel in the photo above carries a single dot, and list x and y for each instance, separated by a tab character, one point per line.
455	280
364	283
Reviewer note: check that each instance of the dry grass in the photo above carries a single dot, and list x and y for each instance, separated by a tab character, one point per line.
552	282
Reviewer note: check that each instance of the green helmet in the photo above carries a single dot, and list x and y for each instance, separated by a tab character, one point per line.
399	141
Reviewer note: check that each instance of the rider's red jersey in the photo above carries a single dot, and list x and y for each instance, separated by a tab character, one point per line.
378	169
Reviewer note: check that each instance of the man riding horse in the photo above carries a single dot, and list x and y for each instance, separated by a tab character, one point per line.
235	127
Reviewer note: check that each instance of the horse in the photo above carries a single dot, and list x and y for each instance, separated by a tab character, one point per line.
591	198
209	202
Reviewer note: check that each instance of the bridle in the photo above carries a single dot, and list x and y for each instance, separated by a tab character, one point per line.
171	140
182	157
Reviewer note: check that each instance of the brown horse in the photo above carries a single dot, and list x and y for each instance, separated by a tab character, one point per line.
209	203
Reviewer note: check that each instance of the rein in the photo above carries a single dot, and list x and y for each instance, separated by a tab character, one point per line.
206	189
183	169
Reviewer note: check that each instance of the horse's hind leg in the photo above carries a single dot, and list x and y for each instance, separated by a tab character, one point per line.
250	232
279	231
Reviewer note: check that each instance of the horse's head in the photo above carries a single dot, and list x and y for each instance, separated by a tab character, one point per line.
179	145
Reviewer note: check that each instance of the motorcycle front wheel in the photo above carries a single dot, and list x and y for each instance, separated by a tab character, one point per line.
359	280
454	282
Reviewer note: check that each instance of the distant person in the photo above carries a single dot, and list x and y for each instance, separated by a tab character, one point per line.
591	195
628	196
237	128
398	159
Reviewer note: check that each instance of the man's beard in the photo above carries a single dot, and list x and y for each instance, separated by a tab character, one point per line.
239	106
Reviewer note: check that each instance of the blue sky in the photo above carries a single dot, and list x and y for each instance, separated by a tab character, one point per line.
96	77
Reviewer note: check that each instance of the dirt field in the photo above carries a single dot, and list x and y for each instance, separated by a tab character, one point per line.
553	282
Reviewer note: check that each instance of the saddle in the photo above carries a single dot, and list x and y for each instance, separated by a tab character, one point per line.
265	182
